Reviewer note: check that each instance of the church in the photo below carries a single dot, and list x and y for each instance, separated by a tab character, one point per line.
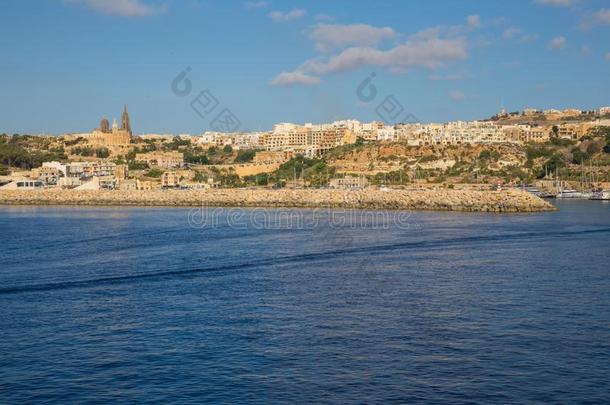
107	136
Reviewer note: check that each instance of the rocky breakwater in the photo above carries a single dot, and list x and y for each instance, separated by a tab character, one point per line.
438	200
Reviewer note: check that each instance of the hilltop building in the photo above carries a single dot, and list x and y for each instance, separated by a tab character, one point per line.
115	136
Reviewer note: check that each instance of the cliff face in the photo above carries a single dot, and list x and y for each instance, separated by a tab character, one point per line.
380	157
444	200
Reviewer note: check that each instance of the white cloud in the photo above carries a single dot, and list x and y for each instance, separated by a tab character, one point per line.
256	4
336	36
279	16
456	95
585	50
603	16
473	21
600	17
608	56
556	3
511	32
122	8
432	48
429	53
557	43
294	78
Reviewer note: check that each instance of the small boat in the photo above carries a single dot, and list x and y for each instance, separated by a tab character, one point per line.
547	194
571	193
601	195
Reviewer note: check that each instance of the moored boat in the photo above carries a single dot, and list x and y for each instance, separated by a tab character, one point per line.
571	193
601	195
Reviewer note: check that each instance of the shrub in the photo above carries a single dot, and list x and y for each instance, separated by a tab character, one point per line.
102	153
245	156
156	173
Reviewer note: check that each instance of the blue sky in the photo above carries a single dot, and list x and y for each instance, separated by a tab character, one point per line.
67	63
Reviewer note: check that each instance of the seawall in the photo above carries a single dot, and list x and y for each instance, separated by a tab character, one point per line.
437	200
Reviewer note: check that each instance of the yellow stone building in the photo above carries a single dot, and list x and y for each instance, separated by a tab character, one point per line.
115	136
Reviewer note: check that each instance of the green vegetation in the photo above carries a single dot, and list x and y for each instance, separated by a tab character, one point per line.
228	178
189	157
315	172
489	156
155	173
133	165
398	177
262	179
200	177
428	159
102	153
245	156
14	155
177	143
562	142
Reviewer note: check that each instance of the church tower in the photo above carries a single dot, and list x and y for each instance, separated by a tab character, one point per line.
105	125
125	121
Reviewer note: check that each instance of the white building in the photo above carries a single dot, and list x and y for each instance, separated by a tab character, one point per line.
23	184
284	128
58	166
604	110
386	134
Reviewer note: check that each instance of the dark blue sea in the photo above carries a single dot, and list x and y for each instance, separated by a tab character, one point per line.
138	305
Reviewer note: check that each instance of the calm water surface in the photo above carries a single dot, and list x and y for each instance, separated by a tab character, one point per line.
141	305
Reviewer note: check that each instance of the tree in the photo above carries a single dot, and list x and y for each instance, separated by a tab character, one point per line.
244	156
156	173
359	141
555	130
196	159
102	153
227	149
133	165
200	177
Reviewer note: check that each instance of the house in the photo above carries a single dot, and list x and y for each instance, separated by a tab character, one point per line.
24	184
349	183
170	180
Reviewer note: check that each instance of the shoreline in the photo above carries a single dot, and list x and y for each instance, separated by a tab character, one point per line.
508	201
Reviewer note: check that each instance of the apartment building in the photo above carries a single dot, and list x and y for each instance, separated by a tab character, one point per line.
170	180
90	169
310	141
573	131
48	175
527	133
